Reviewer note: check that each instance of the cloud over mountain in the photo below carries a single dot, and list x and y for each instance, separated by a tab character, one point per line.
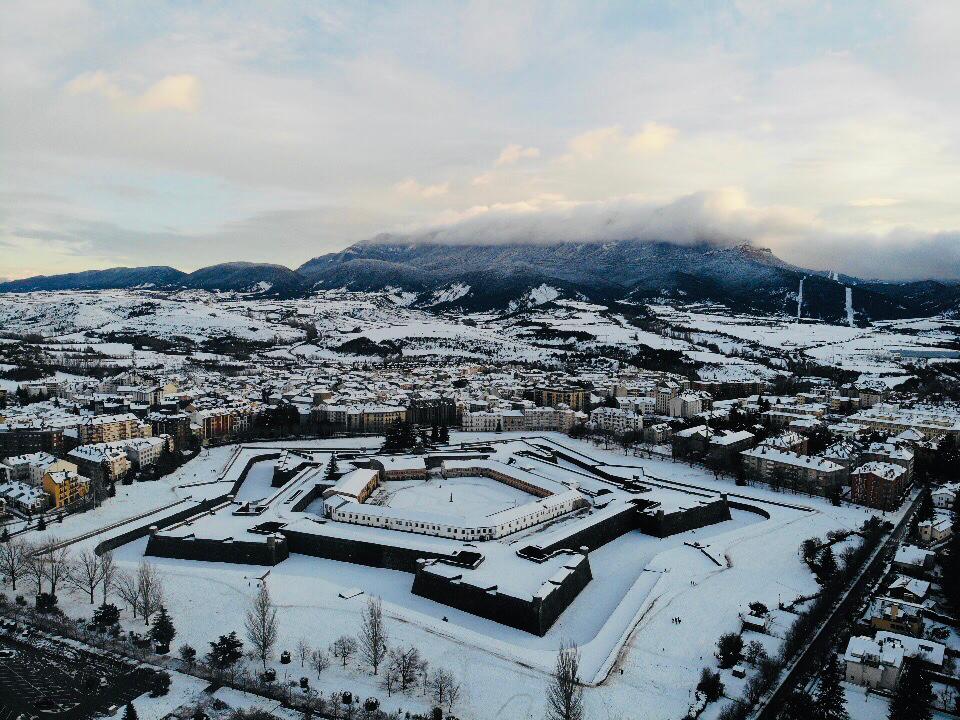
723	218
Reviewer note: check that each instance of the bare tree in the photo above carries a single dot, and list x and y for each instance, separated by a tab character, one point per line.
128	589
343	648
565	693
405	665
150	590
453	695
424	671
13	561
261	624
108	570
442	684
57	565
319	661
303	650
36	563
85	573
373	634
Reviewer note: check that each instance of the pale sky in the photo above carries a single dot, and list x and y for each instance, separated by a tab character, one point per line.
187	133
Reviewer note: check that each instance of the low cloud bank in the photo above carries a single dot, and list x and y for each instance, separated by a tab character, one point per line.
724	218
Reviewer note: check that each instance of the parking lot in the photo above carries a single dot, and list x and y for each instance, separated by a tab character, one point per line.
43	677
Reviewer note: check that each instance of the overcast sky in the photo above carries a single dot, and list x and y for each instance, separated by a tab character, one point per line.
190	133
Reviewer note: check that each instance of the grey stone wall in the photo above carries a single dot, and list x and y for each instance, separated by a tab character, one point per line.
534	616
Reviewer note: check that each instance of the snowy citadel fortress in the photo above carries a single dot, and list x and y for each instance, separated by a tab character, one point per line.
501	530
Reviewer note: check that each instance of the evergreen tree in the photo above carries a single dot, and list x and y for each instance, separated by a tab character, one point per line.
332	467
162	631
130	712
434	433
225	652
797	706
41	523
106	615
950	579
912	696
827	567
444	433
925	510
830	703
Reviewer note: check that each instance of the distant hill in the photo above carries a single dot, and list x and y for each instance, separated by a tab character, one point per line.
508	277
159	276
256	278
259	278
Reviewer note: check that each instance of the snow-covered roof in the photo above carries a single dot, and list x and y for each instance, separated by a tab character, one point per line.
912	555
917	588
791	458
888	471
932	652
355	482
402	462
731	438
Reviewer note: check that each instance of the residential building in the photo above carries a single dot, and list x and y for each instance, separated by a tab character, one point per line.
878	662
891	419
616	420
809	473
685	405
102	462
30	468
724	446
944	497
878	485
65	487
665	393
110	428
897	616
176	425
936	530
24	497
572	397
20	439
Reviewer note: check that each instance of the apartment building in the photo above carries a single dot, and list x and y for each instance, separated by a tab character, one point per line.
19	439
782	467
665	393
31	467
65	487
685	405
616	420
878	485
176	425
573	397
110	428
891	419
103	462
214	423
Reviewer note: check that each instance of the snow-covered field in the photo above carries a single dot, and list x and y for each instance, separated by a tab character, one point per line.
733	346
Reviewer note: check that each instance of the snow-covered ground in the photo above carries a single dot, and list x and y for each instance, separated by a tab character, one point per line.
733	346
622	620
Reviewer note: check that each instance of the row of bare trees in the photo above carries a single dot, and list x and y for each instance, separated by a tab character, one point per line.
51	565
405	668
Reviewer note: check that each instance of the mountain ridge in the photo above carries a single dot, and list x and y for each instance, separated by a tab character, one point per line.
508	275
